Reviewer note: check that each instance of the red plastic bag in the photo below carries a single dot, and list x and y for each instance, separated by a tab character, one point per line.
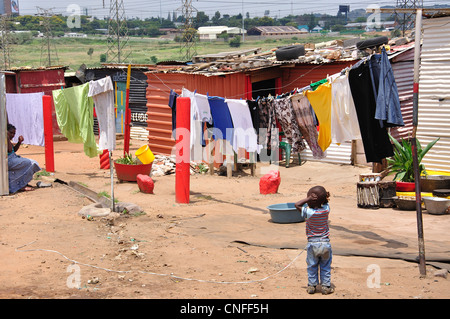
269	183
145	183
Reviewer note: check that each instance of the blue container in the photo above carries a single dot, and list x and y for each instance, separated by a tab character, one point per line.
285	213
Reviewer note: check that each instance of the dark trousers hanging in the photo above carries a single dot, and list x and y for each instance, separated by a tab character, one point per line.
374	137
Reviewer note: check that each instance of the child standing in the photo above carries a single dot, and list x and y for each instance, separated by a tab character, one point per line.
315	209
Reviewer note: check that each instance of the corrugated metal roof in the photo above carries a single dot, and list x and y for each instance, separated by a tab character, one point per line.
41	68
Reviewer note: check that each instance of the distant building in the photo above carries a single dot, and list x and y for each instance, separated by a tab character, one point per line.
368	27
317	29
9	7
75	35
303	28
211	33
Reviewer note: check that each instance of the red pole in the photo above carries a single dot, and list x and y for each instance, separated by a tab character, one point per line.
48	133
183	168
127	124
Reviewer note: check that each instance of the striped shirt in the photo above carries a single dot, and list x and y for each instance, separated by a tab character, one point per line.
317	221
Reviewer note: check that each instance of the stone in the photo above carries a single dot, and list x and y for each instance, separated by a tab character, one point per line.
94	210
441	273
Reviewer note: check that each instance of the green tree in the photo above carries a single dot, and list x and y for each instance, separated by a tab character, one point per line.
90	52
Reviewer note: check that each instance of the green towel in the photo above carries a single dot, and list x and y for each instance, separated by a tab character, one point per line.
315	85
74	113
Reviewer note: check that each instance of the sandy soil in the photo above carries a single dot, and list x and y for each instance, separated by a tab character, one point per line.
220	245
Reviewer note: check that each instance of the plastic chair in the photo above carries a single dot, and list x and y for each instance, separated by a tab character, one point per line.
287	150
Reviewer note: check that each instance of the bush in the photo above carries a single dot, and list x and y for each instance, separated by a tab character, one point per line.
103	57
235	42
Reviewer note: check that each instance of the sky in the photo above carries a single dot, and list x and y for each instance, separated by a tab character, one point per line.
161	8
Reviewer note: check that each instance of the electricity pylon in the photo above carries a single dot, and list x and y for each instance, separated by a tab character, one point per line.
118	50
189	38
406	20
48	47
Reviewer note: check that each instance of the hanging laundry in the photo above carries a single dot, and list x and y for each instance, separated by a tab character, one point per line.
267	123
203	111
284	113
315	85
199	113
25	110
305	121
254	112
173	105
244	134
74	113
320	100
387	102
374	137
344	120
223	123
102	92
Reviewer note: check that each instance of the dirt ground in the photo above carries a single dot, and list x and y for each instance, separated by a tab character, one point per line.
222	245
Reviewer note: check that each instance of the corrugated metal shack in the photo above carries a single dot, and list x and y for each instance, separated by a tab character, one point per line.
434	92
248	74
138	101
33	80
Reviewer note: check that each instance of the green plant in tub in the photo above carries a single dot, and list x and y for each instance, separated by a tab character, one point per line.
402	162
127	159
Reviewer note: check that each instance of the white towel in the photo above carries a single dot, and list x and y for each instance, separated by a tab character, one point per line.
102	92
25	112
244	135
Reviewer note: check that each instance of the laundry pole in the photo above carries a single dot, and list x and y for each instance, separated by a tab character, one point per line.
182	148
127	124
4	184
48	133
417	50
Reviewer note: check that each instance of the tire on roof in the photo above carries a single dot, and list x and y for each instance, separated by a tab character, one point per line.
290	52
370	43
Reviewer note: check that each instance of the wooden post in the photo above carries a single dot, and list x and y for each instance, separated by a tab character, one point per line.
4	184
418	33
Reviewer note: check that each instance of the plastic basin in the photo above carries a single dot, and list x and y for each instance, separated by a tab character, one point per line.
126	172
285	213
436	205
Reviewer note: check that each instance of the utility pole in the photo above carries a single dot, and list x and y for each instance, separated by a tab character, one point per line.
189	38
406	19
4	29
118	50
47	46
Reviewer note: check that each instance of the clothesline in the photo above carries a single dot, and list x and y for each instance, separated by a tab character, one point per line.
337	103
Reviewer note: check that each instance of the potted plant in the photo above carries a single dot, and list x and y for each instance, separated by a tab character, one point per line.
402	162
128	167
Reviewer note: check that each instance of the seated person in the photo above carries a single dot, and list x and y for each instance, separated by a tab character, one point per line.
20	169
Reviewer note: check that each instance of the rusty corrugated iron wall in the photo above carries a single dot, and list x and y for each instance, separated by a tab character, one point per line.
403	68
304	74
46	80
159	114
